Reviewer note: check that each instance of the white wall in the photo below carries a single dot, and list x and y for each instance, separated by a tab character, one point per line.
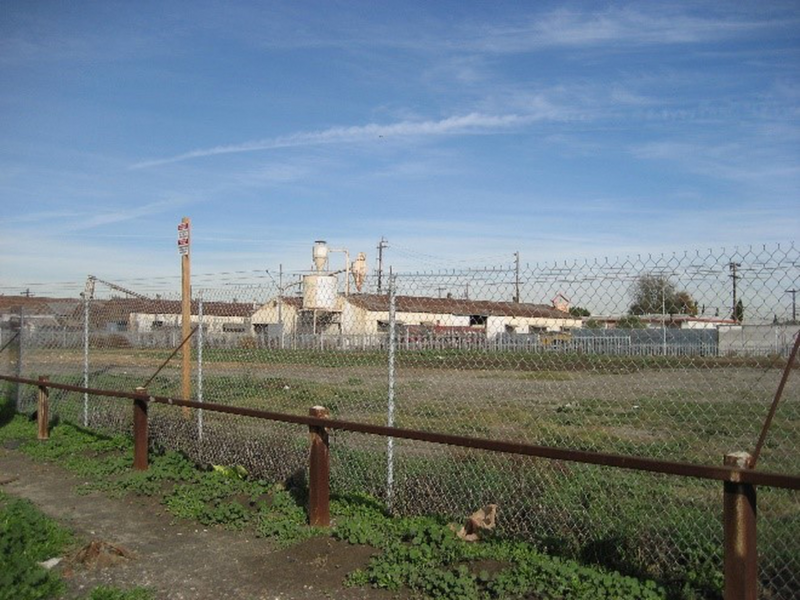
143	323
496	325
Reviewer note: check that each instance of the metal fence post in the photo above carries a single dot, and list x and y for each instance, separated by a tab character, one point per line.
85	358
43	409
319	514
741	558
20	352
200	365
390	398
140	461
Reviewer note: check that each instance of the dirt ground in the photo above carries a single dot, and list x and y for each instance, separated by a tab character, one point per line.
177	559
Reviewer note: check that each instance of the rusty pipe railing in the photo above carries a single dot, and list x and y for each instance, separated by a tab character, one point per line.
733	474
739	480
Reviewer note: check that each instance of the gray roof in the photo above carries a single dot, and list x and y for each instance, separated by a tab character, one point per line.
457	306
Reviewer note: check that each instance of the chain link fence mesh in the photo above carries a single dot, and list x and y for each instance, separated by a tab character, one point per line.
674	357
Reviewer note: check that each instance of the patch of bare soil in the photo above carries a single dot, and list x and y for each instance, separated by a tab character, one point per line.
132	542
98	553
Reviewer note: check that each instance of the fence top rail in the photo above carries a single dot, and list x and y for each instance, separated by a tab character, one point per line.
682	469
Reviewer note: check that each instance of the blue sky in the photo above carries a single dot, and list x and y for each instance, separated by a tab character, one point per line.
460	131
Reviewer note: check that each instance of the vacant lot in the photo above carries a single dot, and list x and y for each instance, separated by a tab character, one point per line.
692	409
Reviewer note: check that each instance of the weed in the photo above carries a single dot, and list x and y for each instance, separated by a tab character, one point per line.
27	537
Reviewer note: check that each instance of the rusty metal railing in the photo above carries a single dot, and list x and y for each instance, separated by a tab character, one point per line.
738	477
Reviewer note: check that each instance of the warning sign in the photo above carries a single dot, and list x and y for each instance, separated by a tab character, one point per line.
183	238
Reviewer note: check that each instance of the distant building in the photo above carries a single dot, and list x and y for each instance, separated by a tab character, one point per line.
368	314
659	321
35	313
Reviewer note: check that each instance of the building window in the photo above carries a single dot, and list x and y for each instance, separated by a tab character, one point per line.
511	329
233	328
536	329
477	320
157	325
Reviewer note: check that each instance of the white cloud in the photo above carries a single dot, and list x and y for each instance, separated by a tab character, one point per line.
472	123
620	26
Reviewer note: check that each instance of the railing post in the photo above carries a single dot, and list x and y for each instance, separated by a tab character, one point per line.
741	558
43	409
140	461
319	514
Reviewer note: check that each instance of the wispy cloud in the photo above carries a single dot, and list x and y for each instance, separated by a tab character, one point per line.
129	213
473	123
621	26
764	169
44	216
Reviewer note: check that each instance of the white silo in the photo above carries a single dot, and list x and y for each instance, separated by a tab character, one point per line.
319	292
319	289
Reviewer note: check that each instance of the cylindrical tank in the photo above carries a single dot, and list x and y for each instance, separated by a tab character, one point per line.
319	292
319	254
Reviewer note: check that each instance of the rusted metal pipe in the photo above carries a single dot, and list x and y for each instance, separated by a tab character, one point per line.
43	409
739	516
784	378
170	357
319	513
9	342
140	441
715	473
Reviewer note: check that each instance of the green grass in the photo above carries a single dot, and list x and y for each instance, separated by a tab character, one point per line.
423	554
28	537
636	524
676	423
420	553
437	359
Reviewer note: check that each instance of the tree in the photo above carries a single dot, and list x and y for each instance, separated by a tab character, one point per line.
656	294
686	304
579	311
738	313
630	322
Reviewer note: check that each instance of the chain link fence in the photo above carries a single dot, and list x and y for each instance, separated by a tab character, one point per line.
674	357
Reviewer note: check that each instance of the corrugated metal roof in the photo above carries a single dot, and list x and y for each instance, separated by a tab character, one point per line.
457	306
33	305
126	306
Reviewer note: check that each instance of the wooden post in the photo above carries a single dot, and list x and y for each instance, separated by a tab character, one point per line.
741	556
186	319
319	514
140	441
43	409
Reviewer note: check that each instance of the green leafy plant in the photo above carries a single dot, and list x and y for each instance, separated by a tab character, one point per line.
27	538
110	593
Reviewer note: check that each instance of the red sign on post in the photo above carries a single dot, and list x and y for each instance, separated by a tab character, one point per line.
183	238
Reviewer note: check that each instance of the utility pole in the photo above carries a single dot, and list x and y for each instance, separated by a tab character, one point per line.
184	245
793	292
381	245
516	277
734	276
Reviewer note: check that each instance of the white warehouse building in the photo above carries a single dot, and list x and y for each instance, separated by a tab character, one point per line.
368	314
